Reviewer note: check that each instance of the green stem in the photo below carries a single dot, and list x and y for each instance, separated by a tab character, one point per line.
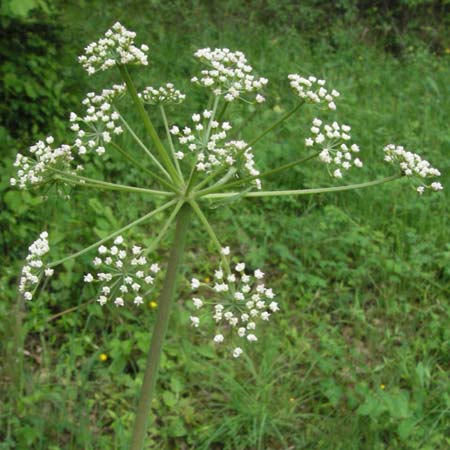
164	306
304	191
164	228
144	147
206	180
216	187
140	166
246	121
211	233
112	235
211	119
148	124
274	125
91	182
169	137
231	172
116	187
222	111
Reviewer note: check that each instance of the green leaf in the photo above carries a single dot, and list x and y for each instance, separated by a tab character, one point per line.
398	405
169	399
22	8
405	428
372	407
332	391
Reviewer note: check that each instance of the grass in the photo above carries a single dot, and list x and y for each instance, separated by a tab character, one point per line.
358	357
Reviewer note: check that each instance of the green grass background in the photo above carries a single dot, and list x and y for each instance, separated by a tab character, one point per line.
358	358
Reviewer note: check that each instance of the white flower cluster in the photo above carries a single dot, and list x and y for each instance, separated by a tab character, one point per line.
125	274
412	165
236	148
164	95
239	302
117	47
38	169
313	90
100	123
228	74
206	140
335	151
34	268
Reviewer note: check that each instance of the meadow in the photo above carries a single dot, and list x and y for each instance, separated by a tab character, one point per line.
358	356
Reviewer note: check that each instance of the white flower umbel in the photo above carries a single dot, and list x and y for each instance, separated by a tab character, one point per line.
228	74
313	90
124	273
116	47
412	165
206	139
34	268
238	303
37	169
164	95
337	153
100	123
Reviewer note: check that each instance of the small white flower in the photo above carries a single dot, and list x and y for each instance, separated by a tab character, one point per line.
88	278
195	321
274	306
436	186
197	302
119	301
237	352
218	338
155	268
259	274
260	99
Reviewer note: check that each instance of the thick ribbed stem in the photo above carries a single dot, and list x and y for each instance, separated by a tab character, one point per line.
159	331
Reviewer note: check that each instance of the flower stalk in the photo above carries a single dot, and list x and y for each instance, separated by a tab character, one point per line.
295	192
159	331
148	125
